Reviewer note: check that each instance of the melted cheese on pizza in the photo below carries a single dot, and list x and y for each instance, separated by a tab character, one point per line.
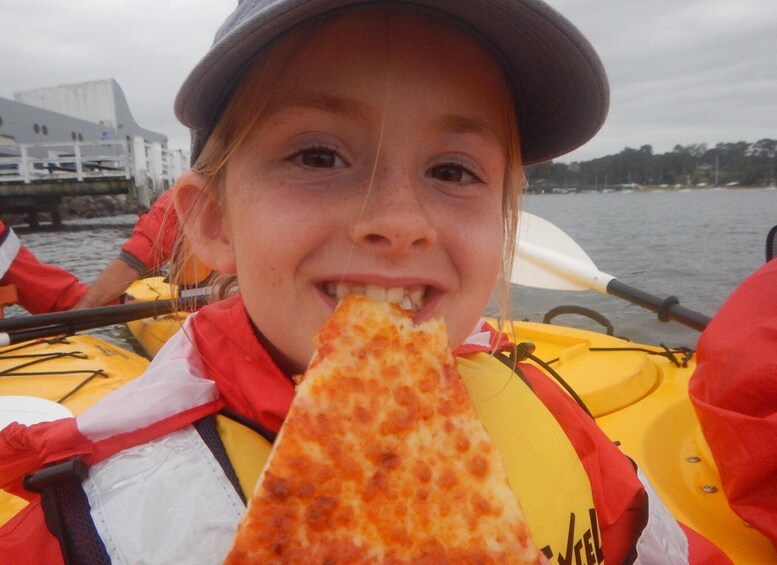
382	458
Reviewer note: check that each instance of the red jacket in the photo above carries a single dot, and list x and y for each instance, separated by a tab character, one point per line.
153	237
734	391
40	287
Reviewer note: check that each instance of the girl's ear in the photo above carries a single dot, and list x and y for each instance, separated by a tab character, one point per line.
202	219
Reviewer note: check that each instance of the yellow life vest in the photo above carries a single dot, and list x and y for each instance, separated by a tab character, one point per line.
541	463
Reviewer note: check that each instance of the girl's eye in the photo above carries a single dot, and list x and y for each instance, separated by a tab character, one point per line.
452	172
318	158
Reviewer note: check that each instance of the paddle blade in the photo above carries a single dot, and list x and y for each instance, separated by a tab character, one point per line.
546	257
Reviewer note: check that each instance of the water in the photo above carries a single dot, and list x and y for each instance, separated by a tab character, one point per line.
83	247
695	245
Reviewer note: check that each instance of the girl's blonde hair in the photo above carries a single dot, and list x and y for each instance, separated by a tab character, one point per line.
249	104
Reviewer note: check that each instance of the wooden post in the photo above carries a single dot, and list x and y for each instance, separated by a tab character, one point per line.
79	164
24	164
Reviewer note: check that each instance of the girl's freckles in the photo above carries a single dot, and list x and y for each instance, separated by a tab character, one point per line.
372	182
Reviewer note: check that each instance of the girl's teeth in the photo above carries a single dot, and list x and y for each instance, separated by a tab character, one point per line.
341	291
357	289
395	295
376	293
407	299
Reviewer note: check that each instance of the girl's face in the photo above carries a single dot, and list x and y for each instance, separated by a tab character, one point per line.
378	167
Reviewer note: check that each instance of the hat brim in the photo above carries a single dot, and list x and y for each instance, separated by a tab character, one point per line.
559	83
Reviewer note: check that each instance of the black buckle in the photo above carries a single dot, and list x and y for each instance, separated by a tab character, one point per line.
70	471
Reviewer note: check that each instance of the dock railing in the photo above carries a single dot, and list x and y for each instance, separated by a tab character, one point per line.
151	167
79	160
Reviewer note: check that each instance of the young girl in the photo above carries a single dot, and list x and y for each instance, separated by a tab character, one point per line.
341	147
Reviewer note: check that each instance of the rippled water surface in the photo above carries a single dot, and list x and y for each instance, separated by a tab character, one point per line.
83	247
696	245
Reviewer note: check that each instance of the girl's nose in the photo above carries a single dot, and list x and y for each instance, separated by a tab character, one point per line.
394	218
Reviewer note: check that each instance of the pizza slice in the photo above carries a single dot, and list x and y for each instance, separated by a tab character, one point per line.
382	458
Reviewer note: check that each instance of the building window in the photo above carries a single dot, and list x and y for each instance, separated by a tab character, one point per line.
36	128
1	120
80	137
73	135
45	130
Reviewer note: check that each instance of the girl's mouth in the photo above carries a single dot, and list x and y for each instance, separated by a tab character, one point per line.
410	298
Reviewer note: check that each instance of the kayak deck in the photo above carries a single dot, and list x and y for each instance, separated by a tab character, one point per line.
74	372
153	333
639	397
637	393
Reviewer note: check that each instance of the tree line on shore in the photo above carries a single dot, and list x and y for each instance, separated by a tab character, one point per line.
726	164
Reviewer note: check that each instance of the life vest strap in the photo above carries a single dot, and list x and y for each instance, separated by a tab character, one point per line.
66	507
206	427
67	513
70	471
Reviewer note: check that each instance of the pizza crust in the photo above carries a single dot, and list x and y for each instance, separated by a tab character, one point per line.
382	458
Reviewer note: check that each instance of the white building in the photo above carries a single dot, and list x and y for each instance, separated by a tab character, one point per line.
85	113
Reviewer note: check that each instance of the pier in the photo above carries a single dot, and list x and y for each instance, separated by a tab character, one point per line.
35	177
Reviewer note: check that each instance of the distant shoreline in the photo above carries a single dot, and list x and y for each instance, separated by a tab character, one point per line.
78	207
645	188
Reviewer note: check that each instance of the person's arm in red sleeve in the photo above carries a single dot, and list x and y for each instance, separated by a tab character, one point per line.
153	236
734	392
109	285
40	287
149	247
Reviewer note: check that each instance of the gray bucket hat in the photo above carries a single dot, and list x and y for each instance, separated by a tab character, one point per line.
559	84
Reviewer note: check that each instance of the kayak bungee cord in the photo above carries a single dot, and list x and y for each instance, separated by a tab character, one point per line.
16	371
525	350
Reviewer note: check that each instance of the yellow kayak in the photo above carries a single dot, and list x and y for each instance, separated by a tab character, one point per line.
74	371
152	333
638	395
46	379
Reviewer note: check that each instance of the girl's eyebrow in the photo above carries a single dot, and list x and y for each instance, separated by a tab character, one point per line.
354	110
457	124
340	106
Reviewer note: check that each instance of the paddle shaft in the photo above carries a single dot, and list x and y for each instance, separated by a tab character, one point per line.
549	258
25	328
667	308
105	314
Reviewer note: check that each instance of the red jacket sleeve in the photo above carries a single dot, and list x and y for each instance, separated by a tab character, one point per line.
153	237
41	287
734	392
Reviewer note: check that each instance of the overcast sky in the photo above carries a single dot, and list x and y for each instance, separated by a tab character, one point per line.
681	71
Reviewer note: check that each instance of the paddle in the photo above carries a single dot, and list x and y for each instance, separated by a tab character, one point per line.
546	257
23	328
